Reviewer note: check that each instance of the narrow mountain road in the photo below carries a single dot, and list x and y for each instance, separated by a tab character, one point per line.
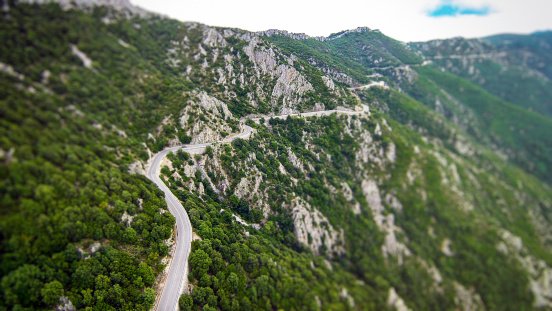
178	268
177	276
371	84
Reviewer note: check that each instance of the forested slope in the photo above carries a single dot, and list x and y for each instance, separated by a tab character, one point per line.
414	204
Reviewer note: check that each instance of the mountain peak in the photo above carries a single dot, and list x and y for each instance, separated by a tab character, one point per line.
303	36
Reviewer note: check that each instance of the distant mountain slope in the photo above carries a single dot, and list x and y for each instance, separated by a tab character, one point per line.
521	135
347	56
516	68
533	51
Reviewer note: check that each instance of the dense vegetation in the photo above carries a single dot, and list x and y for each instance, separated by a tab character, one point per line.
63	197
377	273
516	68
538	44
521	134
64	179
354	54
382	193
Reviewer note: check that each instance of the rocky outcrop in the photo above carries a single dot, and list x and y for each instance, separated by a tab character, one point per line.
249	186
213	38
87	62
370	151
195	122
345	295
386	223
137	168
336	75
467	299
213	105
295	161
445	247
302	36
434	273
393	202
290	84
65	304
313	229
7	69
297	36
540	274
127	219
329	83
395	301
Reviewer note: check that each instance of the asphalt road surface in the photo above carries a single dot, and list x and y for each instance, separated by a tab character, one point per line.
178	269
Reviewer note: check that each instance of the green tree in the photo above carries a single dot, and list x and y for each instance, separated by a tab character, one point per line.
205	231
233	282
200	262
22	286
269	228
146	273
102	282
51	292
87	297
130	235
149	296
209	151
185	302
205	281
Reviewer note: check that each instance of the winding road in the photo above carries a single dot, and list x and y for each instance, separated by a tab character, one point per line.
177	277
178	268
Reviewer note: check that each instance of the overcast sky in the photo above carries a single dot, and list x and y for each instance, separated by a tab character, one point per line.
405	20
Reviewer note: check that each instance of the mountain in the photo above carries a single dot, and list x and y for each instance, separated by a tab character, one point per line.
516	68
377	175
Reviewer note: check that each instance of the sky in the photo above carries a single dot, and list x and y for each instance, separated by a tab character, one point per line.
405	20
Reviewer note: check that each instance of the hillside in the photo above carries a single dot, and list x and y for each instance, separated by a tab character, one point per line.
423	190
516	68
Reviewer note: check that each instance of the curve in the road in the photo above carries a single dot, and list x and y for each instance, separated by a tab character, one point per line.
178	268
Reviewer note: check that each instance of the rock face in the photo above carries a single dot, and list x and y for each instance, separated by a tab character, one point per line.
540	274
137	168
213	38
294	160
7	69
467	300
127	219
445	248
386	223
65	304
466	53
371	152
290	84
258	74
345	294
202	130
302	36
395	301
313	229
95	247
87	62
329	83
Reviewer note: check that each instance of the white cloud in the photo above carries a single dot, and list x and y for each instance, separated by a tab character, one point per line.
405	20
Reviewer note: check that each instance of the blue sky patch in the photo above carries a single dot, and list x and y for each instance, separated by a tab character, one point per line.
449	9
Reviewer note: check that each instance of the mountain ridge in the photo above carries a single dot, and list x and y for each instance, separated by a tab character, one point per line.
433	198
